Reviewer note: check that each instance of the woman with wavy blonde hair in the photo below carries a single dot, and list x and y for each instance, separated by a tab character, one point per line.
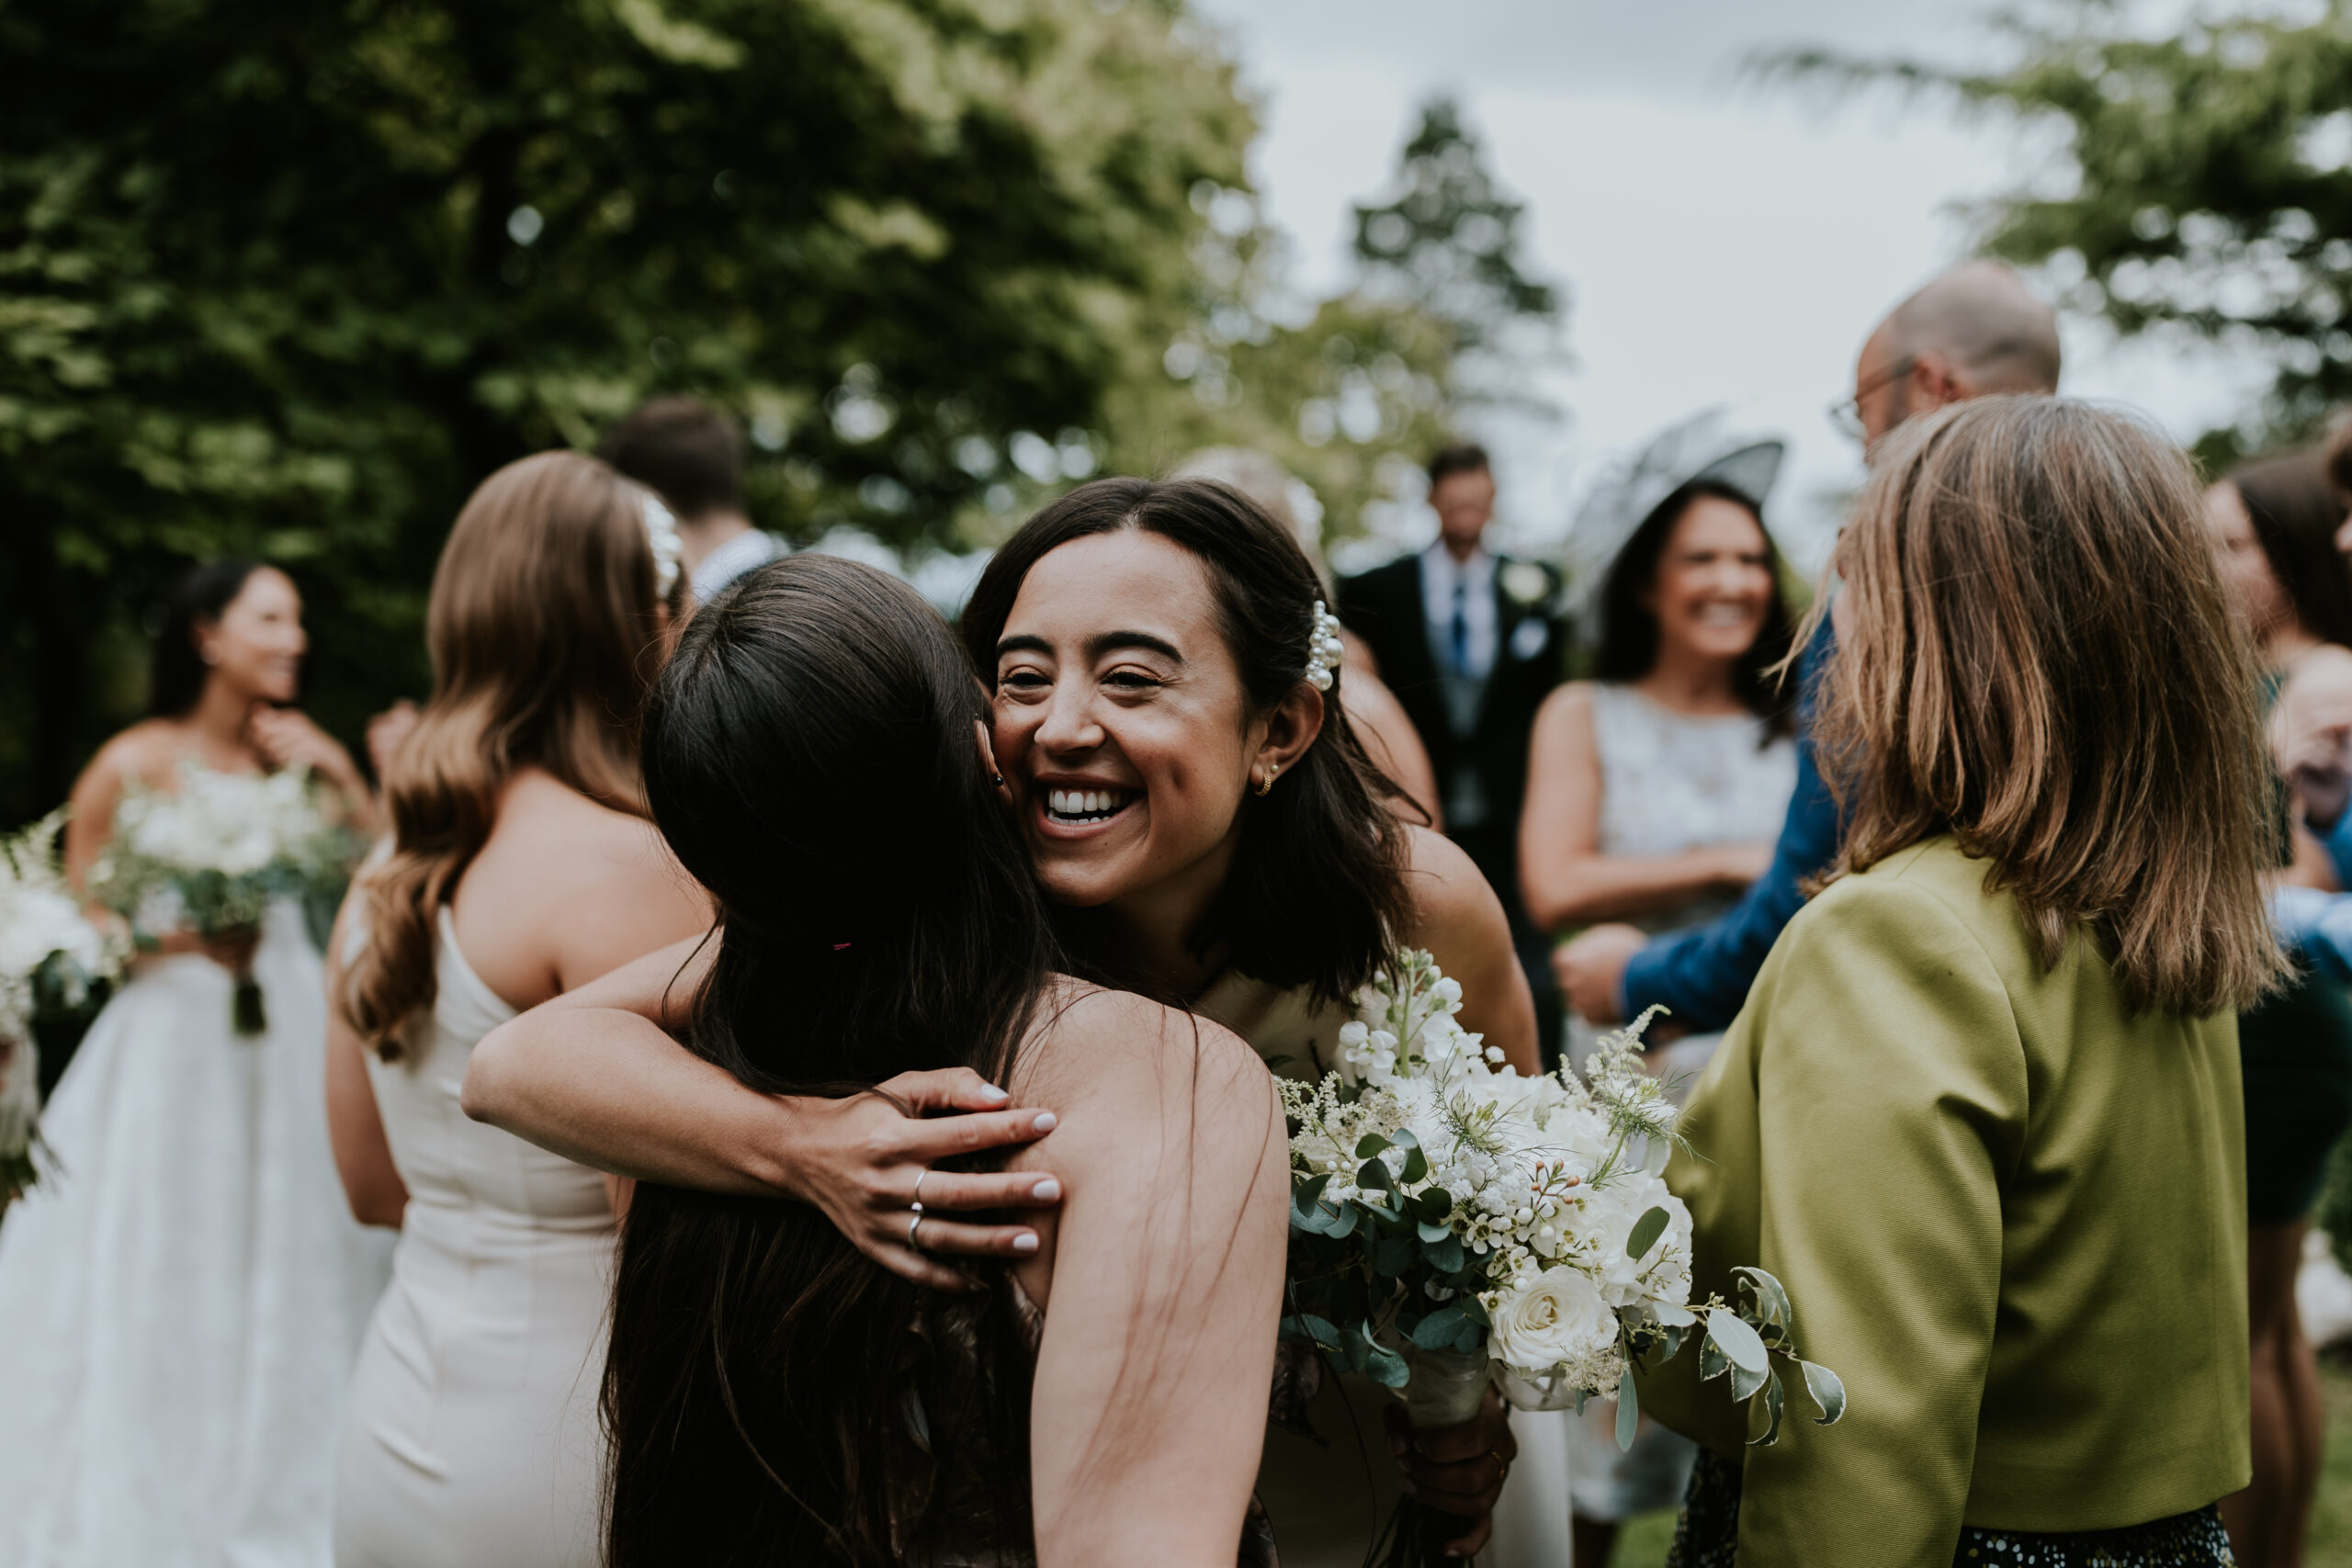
1981	1111
521	866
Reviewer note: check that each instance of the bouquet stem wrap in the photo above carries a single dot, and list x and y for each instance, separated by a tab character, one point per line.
1447	1387
245	1010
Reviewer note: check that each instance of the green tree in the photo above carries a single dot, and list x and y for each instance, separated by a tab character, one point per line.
1352	393
289	280
2206	187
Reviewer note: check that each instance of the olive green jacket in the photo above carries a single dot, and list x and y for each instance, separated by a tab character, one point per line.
2009	1215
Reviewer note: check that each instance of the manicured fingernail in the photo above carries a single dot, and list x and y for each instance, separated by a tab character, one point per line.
1046	1121
1025	1242
990	1091
1046	1191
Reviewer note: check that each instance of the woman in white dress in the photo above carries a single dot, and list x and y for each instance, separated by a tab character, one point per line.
1654	793
521	866
181	1294
1207	827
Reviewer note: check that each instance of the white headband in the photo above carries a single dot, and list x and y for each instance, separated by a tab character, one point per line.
661	532
1324	649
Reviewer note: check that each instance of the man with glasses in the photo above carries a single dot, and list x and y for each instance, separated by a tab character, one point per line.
1976	329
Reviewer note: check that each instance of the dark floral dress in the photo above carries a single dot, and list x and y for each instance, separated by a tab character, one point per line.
1707	1535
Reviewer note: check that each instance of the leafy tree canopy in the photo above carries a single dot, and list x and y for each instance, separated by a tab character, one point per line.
2205	187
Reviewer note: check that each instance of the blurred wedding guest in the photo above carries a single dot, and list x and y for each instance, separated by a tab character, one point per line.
1980	1115
2273	529
181	1294
1973	331
691	455
1388	735
1471	643
521	866
1654	790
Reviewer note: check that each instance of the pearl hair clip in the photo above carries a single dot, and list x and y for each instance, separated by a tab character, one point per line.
1323	648
661	532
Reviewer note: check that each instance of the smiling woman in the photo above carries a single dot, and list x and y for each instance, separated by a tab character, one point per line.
1208	832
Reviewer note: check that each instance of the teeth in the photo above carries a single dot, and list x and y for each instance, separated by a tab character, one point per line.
1079	803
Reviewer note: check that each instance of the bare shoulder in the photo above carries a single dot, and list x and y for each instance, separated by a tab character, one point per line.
580	841
1568	704
1125	1059
1447	888
144	753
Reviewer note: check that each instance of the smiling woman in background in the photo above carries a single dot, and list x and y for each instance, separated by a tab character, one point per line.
1654	790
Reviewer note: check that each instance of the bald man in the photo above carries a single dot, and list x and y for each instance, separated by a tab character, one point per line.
1974	330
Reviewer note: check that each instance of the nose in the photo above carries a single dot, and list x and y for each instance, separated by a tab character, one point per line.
1070	724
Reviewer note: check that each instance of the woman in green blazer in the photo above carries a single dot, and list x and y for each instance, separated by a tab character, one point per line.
1981	1112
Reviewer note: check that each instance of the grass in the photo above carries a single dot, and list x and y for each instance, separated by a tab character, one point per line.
1644	1540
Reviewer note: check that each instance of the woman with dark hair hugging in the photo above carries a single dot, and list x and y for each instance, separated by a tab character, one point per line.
772	1395
1206	831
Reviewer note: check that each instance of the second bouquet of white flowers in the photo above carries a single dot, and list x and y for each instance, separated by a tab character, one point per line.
1453	1223
211	856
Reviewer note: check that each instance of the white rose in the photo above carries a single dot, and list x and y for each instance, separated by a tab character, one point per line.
1612	1212
1555	1319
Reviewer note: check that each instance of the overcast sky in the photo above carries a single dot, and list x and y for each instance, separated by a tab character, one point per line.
1722	239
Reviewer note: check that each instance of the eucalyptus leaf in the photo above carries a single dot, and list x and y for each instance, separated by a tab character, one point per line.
1312	1330
1436	1331
1470	1336
1341	1223
1772	1400
1417	1168
1434	1204
1445	1255
1771	1301
1739	1342
1370	1144
1307	1192
1434	1233
1375	1177
1392	1255
1646	1232
1403	1138
1629	1414
1387	1367
1827	1390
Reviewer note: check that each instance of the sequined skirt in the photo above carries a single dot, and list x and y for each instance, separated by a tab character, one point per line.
1707	1535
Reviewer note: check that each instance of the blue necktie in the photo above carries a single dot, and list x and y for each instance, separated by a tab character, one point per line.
1461	626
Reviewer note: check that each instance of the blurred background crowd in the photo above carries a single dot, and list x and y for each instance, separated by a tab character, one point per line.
1523	316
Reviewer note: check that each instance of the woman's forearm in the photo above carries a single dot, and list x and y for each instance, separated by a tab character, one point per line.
1587	889
607	1088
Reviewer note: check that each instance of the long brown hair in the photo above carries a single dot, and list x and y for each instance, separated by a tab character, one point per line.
543	628
2042	664
811	758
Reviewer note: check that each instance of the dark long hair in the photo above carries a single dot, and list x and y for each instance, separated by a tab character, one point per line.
2295	515
809	754
178	675
1629	631
1317	896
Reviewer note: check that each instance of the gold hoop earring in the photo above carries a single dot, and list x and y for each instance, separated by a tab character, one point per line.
1268	782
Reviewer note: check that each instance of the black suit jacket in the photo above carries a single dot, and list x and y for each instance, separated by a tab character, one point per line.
1385	607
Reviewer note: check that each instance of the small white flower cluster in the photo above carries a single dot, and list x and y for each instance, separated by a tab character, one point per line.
223	845
1549	1180
42	927
1324	649
661	535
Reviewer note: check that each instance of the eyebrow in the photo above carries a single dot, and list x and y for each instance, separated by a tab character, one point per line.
1097	646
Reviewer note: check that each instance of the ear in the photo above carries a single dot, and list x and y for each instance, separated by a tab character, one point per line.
988	757
1290	729
1935	381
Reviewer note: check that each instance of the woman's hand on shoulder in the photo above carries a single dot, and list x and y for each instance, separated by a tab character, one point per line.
1457	917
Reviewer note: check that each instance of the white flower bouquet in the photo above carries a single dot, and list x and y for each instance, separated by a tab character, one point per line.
52	958
1453	1223
211	857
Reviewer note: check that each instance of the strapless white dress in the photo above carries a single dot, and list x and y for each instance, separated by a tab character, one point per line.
1328	1501
181	1297
470	1439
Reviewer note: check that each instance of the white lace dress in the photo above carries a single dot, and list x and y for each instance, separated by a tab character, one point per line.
1669	781
180	1299
471	1440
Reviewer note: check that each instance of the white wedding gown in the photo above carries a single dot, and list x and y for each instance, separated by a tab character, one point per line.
182	1294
